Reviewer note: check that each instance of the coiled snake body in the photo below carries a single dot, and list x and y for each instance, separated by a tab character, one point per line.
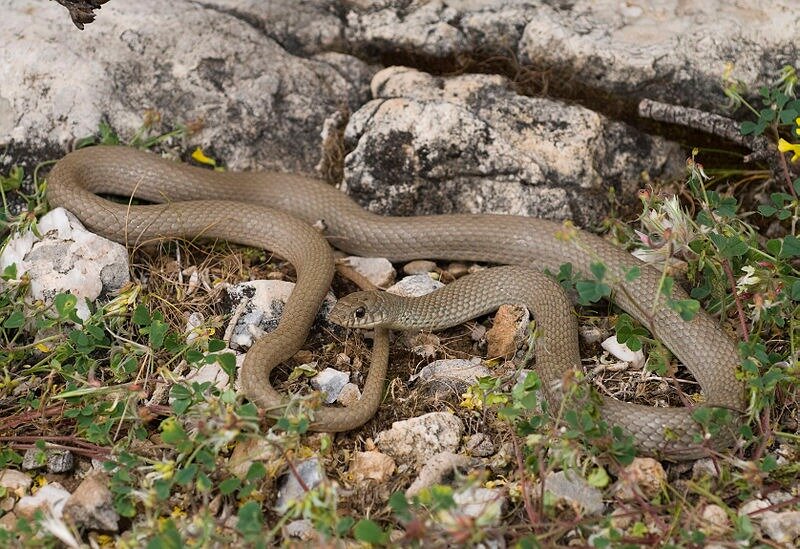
198	202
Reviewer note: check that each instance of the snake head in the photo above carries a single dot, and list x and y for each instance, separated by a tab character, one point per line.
368	309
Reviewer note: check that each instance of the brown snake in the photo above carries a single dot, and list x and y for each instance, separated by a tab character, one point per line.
227	205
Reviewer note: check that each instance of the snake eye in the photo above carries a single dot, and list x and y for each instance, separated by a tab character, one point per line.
360	312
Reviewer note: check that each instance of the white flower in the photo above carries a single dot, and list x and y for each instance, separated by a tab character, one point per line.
748	280
669	230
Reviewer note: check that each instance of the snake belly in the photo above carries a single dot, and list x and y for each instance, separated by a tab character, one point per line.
191	197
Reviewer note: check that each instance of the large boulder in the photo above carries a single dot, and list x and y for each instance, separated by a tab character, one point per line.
470	143
187	63
667	50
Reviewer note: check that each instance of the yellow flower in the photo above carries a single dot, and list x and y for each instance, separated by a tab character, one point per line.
797	125
785	146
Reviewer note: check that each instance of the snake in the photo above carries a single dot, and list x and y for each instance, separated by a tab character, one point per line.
299	218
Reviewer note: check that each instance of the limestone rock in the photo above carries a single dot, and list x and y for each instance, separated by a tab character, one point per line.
15	481
704	467
457	270
752	506
470	144
622	352
349	395
574	489
484	503
8	521
644	476
439	29
256	102
249	450
715	519
92	504
50	497
371	465
377	270
331	382
782	527
258	307
67	258
415	441
290	489
419	266
55	460
668	51
507	329
435	470
414	286
453	375
480	445
302	529
213	373
596	49
300	27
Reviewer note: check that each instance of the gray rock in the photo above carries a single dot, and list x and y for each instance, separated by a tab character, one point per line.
377	270
419	266
457	270
480	445
290	489
781	527
56	460
302	529
7	503
435	470
704	467
8	521
371	466
67	258
469	143
210	373
249	450
779	497
592	334
50	497
92	504
258	307
257	103
349	395
596	50
448	376
484	503
752	506
331	382
663	50
478	332
642	478
299	27
15	481
716	520
415	441
439	29
414	286
571	487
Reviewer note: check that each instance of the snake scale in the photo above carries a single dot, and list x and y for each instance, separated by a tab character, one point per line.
276	211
